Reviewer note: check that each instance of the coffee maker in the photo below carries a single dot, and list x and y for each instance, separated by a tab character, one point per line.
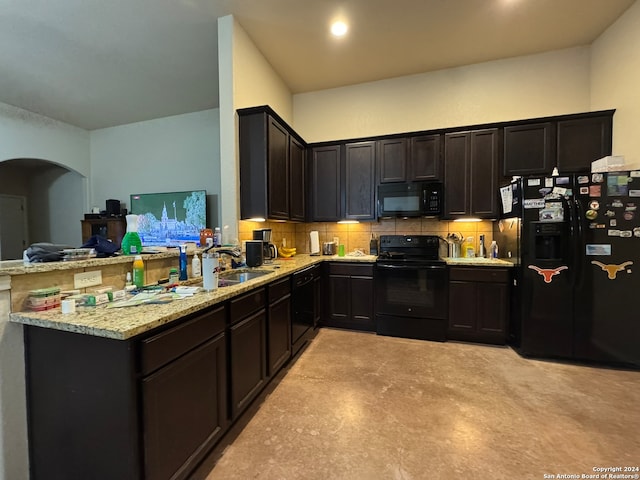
268	248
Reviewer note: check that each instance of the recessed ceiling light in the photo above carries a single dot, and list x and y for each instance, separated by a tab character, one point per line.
339	29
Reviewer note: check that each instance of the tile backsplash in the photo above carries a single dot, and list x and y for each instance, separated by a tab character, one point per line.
357	235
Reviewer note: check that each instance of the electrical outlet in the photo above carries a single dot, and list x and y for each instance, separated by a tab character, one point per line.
87	279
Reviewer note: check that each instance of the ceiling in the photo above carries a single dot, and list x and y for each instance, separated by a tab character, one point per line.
96	63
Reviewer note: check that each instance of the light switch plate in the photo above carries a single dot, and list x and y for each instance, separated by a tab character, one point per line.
87	279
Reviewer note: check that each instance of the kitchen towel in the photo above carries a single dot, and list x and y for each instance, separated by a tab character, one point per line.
314	246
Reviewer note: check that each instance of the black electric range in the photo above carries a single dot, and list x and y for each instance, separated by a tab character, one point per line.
411	288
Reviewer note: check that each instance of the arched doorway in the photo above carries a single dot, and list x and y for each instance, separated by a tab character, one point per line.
52	199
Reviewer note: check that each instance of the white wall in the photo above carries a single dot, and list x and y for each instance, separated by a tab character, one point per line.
246	80
615	80
523	87
27	135
54	209
168	154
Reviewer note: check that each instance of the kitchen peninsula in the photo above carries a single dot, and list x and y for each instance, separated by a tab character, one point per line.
153	386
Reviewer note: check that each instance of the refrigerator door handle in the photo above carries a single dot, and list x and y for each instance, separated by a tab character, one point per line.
580	244
572	255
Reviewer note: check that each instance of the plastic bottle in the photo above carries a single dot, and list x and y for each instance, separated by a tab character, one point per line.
217	237
173	276
131	244
482	252
468	248
128	282
183	262
196	266
493	250
138	271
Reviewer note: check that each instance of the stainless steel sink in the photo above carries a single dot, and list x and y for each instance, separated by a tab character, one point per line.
235	277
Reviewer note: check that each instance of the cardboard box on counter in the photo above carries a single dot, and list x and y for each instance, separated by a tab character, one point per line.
612	163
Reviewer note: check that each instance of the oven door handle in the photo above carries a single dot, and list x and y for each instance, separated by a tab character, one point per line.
411	267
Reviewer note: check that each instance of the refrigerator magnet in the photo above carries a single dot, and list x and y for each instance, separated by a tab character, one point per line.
594	205
591	214
597	178
634	193
613	233
613	223
635	173
598	250
610	213
595	191
533	182
582	179
584	190
548	182
628	216
636	232
626	234
617	204
613	269
562	181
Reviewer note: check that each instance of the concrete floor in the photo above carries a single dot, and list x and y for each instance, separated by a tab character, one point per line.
361	406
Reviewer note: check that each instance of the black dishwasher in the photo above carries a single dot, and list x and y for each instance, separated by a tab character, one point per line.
303	308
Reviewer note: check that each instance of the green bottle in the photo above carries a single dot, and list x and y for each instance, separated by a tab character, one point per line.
131	244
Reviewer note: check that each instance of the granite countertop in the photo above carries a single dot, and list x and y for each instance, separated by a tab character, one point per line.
479	262
17	267
127	322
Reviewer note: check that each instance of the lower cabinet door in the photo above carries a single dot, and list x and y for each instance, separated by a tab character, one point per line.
279	334
248	359
184	411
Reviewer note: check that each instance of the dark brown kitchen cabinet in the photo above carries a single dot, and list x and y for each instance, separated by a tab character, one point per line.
411	159
157	403
279	325
568	142
529	149
425	158
271	166
350	296
478	304
325	183
184	407
471	173
392	160
297	202
248	349
359	181
583	140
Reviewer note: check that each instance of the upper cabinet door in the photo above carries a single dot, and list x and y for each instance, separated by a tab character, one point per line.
583	140
485	156
360	168
297	208
392	159
425	158
278	171
529	149
457	155
325	183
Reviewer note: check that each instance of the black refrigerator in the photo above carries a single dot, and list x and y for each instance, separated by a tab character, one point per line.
579	246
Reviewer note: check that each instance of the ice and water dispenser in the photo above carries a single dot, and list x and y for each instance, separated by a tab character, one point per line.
549	240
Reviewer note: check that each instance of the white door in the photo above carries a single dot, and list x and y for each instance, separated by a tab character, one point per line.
13	227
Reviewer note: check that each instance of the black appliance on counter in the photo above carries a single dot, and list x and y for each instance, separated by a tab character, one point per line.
579	241
413	199
411	288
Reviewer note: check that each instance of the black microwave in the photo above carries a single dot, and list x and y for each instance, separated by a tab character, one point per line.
415	199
